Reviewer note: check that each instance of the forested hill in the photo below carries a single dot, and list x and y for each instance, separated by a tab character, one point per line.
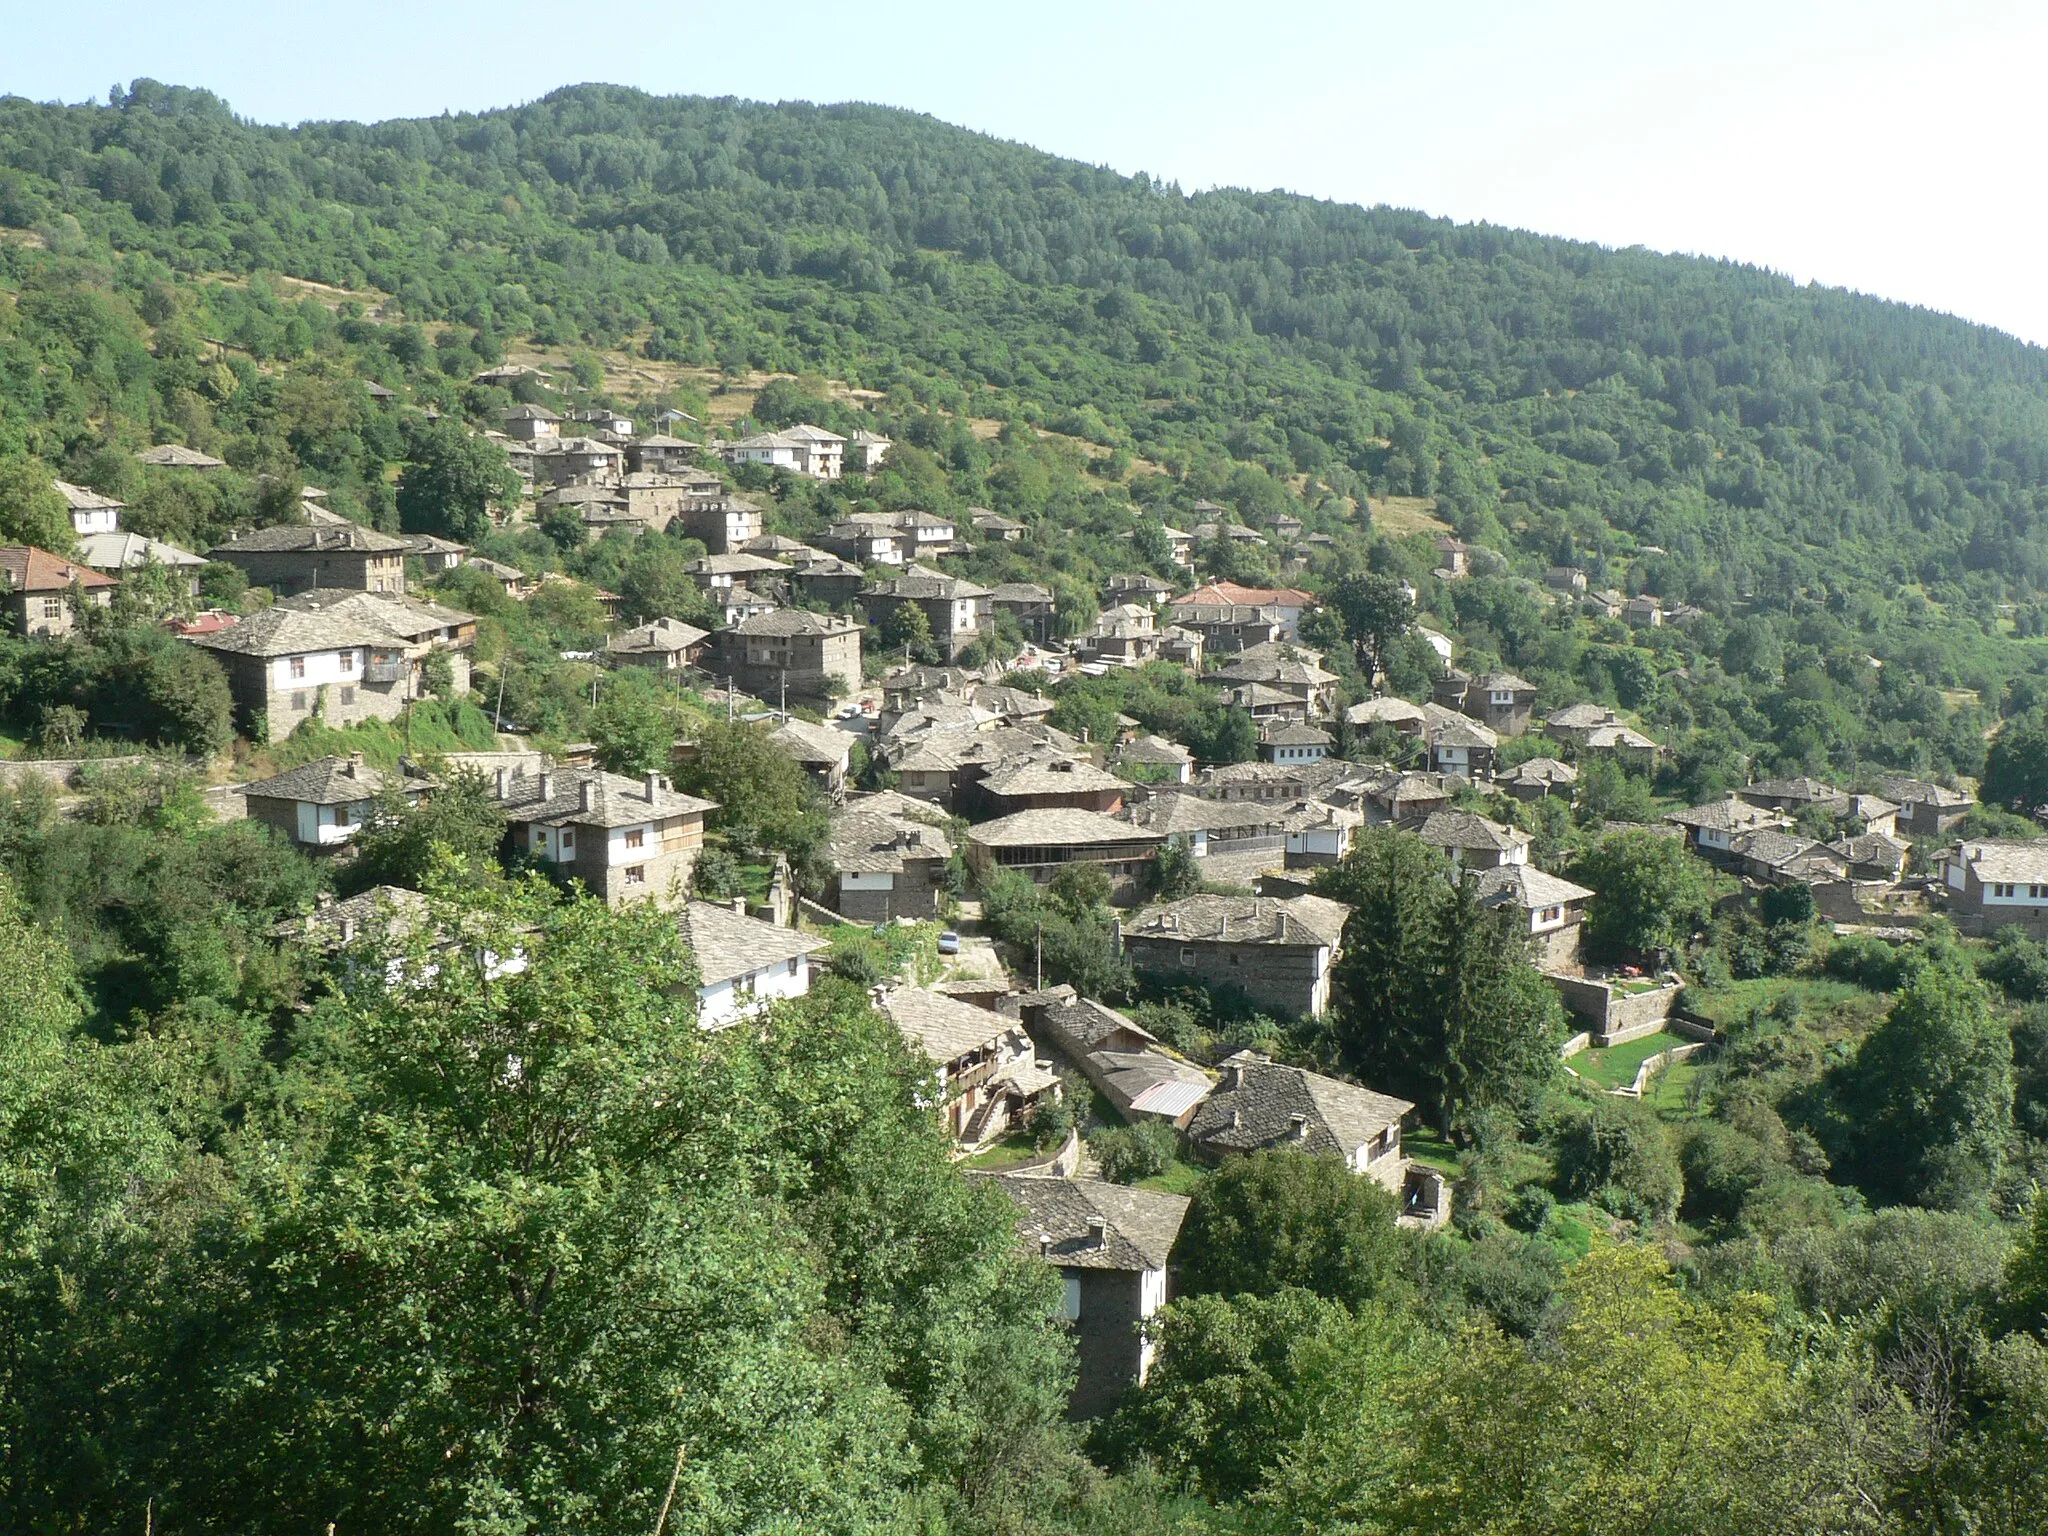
1552	395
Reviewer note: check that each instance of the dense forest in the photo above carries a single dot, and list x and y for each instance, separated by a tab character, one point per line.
397	1238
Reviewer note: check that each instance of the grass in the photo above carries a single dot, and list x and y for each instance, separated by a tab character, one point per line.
1426	1147
1617	1066
1012	1150
1670	1091
1817	995
1183	1178
436	728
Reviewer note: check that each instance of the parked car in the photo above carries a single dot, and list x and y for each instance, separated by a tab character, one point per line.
949	943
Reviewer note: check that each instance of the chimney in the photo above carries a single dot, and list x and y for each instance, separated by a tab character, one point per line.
547	786
355	765
1283	925
1297	1127
653	786
503	779
1098	1231
1045	1245
324	900
1237	1119
1233	1076
586	794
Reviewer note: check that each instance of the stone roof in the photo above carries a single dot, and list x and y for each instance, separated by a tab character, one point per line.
808	743
1056	776
1526	887
1504	682
1275	670
1773	848
869	840
738	564
944	1028
1872	808
1870	848
918	582
333	781
177	456
664	636
282	631
613	799
1446	727
1923	792
79	499
785	623
1294	735
529	413
1296	920
1173	814
1262	1104
730	944
1057	826
2006	862
411	618
294	538
131	552
1609	736
1090	1224
334	923
1385	711
1582	717
1464	829
1539	771
1806	791
1730	815
1155	750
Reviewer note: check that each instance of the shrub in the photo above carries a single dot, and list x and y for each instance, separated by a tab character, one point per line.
1616	1153
1129	1153
1530	1208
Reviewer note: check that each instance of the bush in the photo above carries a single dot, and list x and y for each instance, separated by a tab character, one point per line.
1721	1168
1513	1280
1129	1153
1869	962
1052	1120
1616	1153
1530	1208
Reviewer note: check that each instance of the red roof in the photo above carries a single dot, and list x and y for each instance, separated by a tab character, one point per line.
24	568
210	622
1229	592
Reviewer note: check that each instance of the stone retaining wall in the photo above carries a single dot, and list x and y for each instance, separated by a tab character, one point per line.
1613	1017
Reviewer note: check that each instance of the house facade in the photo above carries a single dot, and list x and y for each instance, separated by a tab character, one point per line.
987	1074
889	857
41	593
286	666
1551	912
297	557
951	606
322	804
1280	954
627	840
1262	1106
1988	884
1038	844
807	652
1110	1244
743	964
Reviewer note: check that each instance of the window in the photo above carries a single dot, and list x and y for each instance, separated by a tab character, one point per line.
636	837
1237	959
637	875
1551	914
2001	890
53	607
568	838
298	701
348	661
1070	1298
1187	955
298	667
348	695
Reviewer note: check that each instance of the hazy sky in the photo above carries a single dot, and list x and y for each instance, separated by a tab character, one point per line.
1887	147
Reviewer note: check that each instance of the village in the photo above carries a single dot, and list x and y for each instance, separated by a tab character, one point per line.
941	778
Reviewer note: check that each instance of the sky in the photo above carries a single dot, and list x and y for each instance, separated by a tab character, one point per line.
1882	146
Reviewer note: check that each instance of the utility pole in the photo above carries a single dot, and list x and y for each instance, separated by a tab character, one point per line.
1040	944
728	698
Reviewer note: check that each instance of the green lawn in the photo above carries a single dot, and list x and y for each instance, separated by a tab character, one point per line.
1007	1153
1616	1067
1725	1004
1181	1179
1425	1146
1670	1091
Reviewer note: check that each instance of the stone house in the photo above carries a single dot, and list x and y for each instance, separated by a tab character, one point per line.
1500	701
1454	559
1988	884
951	606
864	543
988	1072
1146	589
1621	744
1154	759
1294	742
889	856
115	554
1206	826
1038	844
42	592
285	665
1226	628
1568	579
1644	612
659	454
1262	1106
1397	799
1111	1244
90	511
743	964
178	456
1287	604
1125	1062
1280	954
1795	795
1571	725
531	423
725	523
1771	857
1459	747
802	450
1050	783
626	839
568	460
1711	829
1926	809
1319	834
807	651
665	645
426	627
1473	842
1286	668
1873	856
297	557
822	751
1552	911
1004	530
718	574
1538	778
1396	713
1029	604
321	804
866	450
